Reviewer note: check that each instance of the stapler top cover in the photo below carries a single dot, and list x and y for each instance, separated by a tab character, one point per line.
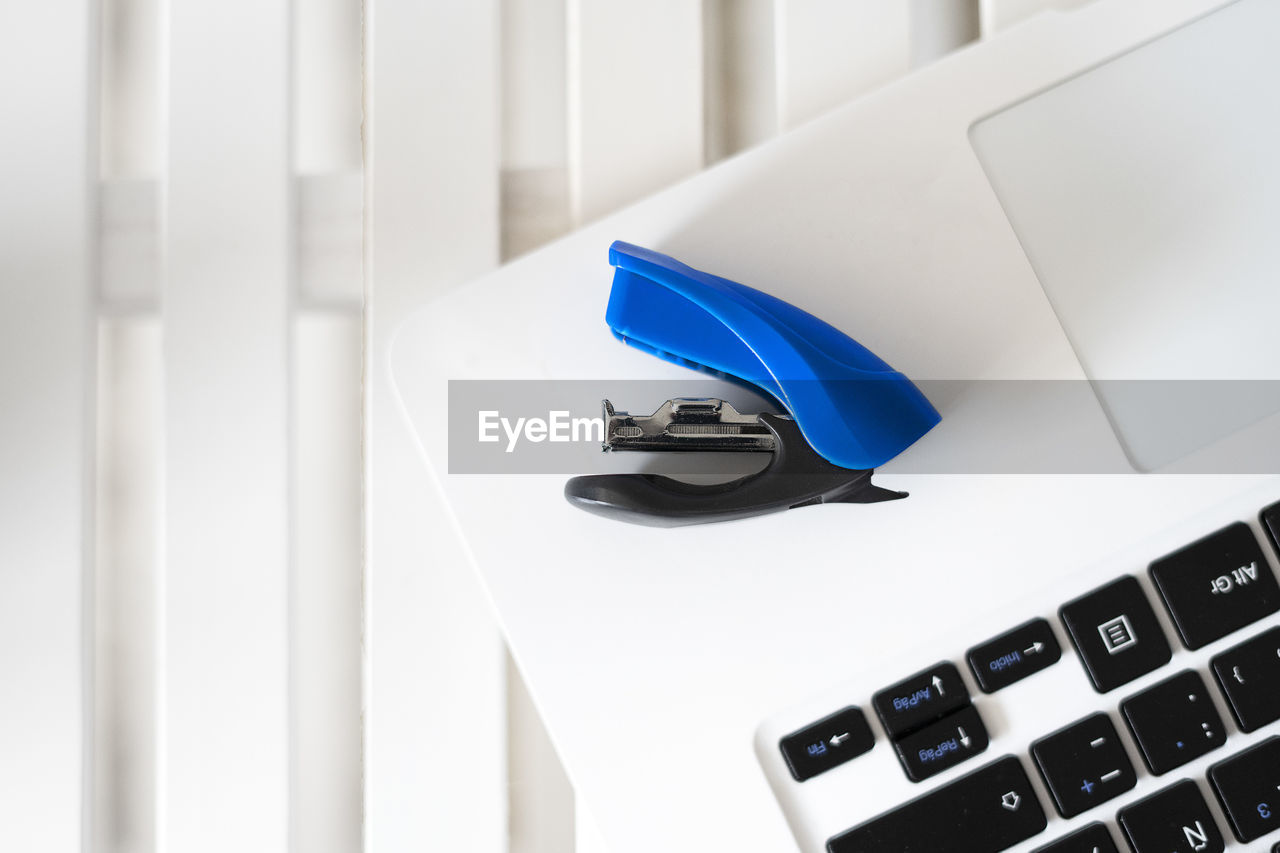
852	408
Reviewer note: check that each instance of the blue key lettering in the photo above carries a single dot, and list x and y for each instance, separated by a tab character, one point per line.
1005	661
939	752
817	748
1264	811
902	703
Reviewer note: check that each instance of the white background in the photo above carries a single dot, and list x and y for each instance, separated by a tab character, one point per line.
230	617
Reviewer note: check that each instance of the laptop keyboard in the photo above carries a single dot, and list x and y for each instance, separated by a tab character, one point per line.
1084	765
1248	674
1218	586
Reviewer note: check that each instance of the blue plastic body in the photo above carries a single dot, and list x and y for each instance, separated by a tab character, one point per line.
852	408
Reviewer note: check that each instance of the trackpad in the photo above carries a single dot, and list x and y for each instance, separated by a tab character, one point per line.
1146	194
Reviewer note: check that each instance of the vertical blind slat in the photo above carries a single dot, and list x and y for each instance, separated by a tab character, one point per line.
129	245
635	100
224	745
131	91
941	26
325	646
47	210
434	718
535	176
126	566
740	75
997	15
829	51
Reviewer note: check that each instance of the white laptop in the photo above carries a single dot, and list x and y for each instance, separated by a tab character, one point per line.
1074	652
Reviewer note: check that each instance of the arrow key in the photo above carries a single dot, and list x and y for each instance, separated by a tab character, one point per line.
827	743
944	744
917	701
1014	655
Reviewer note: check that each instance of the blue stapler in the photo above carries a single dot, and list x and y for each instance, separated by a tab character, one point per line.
847	412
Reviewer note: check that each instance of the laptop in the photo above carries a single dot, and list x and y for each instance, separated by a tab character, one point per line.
1065	651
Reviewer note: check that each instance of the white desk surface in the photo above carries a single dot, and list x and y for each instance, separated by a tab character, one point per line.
654	655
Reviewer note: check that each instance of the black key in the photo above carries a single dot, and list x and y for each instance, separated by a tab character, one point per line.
1084	765
989	810
1175	820
1094	838
1174	722
1013	656
1250	676
1248	786
921	699
827	743
1216	585
939	746
1271	521
1116	633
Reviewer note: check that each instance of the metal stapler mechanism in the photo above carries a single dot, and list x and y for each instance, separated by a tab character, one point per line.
846	410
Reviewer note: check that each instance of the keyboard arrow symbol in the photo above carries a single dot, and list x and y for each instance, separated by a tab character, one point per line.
964	737
1011	801
937	685
839	739
1036	648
